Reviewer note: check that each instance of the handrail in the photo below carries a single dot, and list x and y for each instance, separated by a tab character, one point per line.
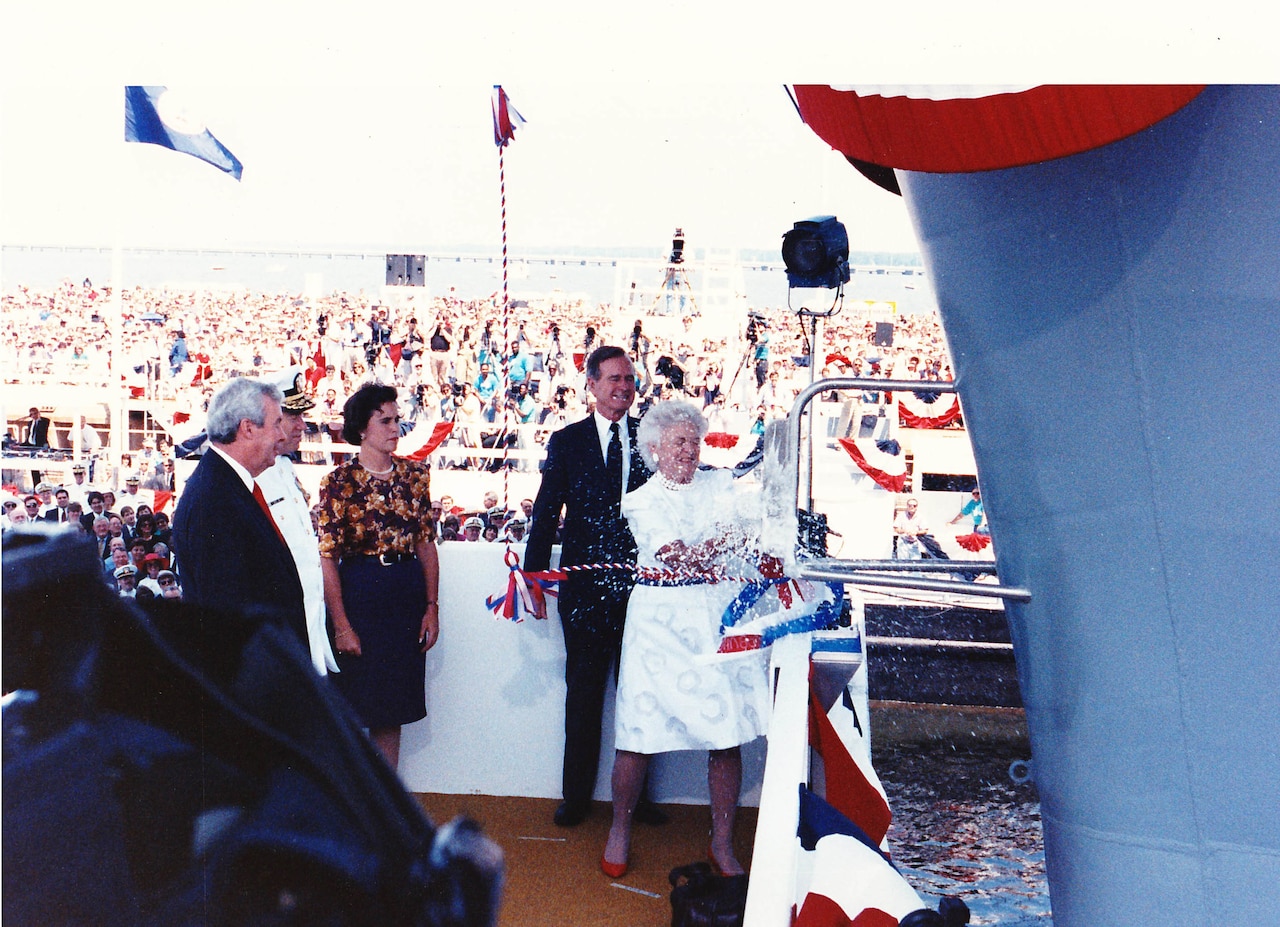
852	571
805	396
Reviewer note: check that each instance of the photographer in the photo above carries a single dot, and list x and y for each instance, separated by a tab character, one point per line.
523	411
558	412
670	374
758	335
640	346
521	404
463	409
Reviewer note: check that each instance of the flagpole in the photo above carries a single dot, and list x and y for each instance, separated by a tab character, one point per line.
506	341
115	390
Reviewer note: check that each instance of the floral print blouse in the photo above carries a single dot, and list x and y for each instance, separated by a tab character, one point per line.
362	515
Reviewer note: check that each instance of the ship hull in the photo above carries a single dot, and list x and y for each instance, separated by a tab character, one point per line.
1113	318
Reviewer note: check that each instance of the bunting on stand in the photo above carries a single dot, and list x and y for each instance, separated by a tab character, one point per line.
927	408
974	542
883	461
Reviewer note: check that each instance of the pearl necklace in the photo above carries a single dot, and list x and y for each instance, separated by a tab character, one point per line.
673	485
370	470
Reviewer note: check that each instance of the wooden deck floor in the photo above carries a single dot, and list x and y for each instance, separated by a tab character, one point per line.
553	873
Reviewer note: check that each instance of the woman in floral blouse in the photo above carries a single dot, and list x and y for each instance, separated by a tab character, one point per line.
381	572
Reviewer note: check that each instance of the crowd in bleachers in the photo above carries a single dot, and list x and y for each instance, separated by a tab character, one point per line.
501	382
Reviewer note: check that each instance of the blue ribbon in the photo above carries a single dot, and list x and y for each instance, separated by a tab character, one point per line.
824	616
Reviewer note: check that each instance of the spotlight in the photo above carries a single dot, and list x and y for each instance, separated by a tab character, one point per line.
677	248
816	252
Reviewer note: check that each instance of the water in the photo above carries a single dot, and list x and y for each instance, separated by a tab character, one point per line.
466	276
962	826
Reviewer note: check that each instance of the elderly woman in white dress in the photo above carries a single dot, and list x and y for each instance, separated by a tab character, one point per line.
673	692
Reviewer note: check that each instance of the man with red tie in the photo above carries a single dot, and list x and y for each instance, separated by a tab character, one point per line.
230	552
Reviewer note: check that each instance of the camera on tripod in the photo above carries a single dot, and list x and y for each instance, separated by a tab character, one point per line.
755	321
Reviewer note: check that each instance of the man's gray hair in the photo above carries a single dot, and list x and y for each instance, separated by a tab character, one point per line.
239	400
659	418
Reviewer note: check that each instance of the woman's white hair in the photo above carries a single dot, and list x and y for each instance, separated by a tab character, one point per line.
659	418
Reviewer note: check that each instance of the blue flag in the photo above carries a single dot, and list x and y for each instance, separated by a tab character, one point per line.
154	116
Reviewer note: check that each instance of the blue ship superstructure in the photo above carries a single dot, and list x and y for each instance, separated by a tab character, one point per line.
1114	318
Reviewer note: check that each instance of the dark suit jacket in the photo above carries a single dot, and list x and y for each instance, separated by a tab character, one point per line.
38	432
594	529
230	557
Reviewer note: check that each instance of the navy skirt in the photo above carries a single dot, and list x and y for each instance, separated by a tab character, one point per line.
386	684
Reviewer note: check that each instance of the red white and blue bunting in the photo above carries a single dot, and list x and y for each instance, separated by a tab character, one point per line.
883	461
925	408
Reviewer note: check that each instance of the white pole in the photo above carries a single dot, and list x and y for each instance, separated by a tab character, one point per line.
115	386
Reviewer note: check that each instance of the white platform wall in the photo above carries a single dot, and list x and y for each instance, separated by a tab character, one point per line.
495	702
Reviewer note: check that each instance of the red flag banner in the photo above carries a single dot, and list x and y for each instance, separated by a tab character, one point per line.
433	440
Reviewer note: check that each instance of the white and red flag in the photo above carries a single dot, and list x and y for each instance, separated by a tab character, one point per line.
506	118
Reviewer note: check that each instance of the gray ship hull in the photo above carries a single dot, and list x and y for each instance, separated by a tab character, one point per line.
1125	429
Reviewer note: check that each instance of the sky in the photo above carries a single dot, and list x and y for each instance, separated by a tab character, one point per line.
370	129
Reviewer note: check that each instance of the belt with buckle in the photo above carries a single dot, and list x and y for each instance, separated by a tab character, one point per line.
390	559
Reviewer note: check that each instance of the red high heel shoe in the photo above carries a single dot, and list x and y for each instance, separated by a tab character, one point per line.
613	870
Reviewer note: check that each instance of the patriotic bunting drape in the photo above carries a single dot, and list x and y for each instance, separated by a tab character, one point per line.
886	465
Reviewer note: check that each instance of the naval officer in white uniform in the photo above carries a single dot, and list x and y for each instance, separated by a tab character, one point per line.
292	513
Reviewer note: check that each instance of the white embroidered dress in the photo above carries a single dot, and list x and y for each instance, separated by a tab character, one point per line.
673	694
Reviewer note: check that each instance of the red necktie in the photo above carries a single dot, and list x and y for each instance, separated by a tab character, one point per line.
266	510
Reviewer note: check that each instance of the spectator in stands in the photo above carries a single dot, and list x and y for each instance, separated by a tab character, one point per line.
972	509
125	577
486	390
178	354
515	530
169	588
908	526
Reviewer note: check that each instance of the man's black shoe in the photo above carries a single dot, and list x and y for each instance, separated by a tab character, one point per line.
648	813
571	814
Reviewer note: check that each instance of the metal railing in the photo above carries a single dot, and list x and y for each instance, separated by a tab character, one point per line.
856	571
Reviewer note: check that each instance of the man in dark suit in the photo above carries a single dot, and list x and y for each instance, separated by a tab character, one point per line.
230	553
58	513
37	430
578	477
